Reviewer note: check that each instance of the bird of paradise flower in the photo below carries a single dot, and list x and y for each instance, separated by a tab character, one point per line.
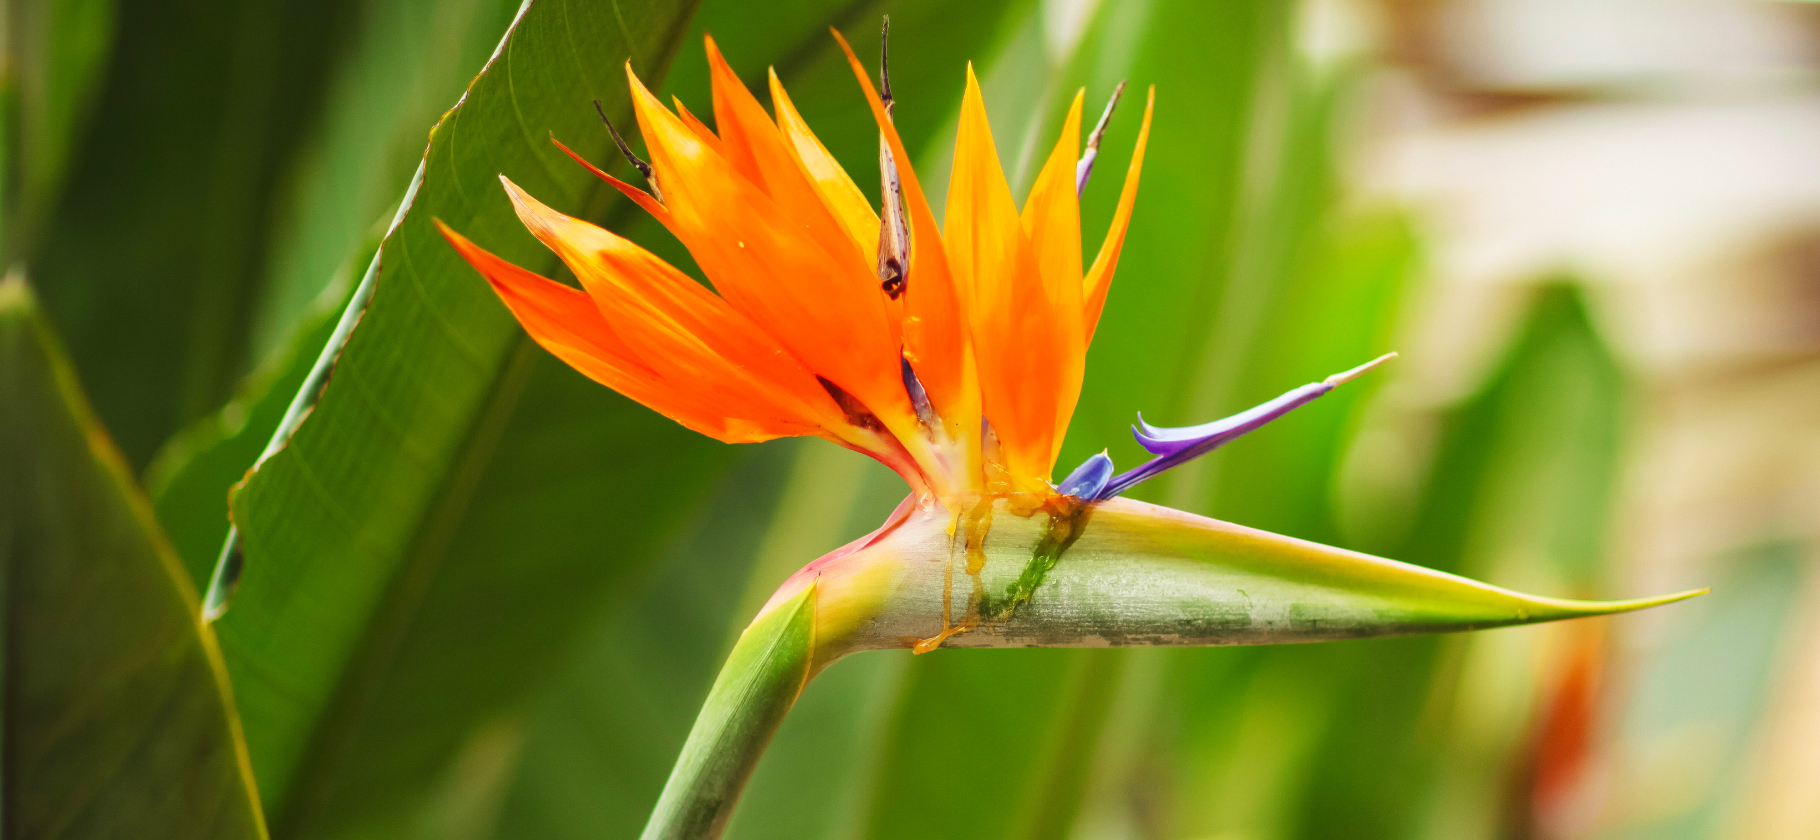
955	356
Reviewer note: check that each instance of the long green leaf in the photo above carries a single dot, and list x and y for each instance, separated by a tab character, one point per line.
585	492
1534	454
203	109
190	478
1274	722
402	65
345	526
118	717
406	61
594	748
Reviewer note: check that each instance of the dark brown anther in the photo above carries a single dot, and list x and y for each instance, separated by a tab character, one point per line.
893	231
884	63
893	280
857	412
643	168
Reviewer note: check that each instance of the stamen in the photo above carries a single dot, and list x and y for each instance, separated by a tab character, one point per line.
893	231
1174	446
1084	169
643	168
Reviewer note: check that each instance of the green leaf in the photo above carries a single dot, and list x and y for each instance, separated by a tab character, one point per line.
584	494
397	746
597	745
118	718
204	107
345	527
1185	263
190	479
402	64
1261	732
1041	711
53	58
1521	491
1280	286
405	61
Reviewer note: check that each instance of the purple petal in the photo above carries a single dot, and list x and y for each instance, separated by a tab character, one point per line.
1089	478
1179	445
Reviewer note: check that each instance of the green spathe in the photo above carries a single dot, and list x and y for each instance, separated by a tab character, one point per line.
1141	574
1060	573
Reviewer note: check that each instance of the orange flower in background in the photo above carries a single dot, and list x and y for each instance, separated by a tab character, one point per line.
953	355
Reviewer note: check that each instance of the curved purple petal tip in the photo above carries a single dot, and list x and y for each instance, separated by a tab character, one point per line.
1179	445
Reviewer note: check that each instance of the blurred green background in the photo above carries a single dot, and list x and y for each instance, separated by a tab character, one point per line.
485	596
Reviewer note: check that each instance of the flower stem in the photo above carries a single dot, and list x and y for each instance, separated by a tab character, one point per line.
772	661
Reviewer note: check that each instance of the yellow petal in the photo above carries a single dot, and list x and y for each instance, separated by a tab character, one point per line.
1011	313
830	179
1099	277
1052	221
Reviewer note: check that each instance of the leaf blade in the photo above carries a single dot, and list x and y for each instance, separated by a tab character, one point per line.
384	465
119	719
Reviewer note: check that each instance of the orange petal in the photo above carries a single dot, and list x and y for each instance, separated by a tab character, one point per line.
937	338
756	148
830	179
1052	221
1013	317
695	124
679	329
638	196
822	303
1099	277
566	322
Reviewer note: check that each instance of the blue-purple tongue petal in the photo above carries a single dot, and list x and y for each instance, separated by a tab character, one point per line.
1178	445
1089	478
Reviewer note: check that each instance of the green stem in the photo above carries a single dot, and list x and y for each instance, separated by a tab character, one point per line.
772	661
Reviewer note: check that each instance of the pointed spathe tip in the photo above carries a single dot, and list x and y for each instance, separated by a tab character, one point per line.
1576	609
1659	600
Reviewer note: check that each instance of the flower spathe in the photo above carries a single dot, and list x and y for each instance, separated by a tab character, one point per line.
963	382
